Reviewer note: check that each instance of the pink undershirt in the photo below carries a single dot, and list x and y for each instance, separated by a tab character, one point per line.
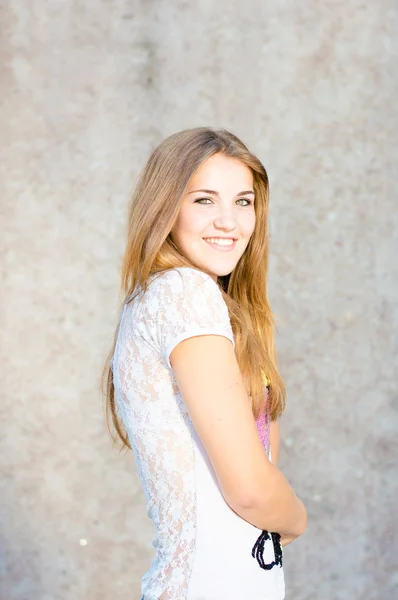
262	423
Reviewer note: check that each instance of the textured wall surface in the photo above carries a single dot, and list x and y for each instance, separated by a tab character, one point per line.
88	89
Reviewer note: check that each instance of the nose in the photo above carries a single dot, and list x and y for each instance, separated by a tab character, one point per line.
225	218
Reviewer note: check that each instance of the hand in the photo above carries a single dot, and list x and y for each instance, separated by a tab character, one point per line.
287	539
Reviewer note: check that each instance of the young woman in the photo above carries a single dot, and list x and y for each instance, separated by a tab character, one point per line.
193	383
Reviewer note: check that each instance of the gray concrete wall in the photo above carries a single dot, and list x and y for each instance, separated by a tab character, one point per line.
88	89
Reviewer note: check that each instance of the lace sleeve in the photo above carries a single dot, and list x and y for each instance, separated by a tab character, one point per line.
188	303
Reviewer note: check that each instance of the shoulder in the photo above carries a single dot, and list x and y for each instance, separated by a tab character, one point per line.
185	294
186	274
182	280
180	303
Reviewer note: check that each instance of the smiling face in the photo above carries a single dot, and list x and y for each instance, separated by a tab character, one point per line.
219	203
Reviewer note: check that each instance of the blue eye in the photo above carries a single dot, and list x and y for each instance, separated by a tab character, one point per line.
200	199
249	202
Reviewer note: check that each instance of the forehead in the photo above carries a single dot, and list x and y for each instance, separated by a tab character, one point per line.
222	172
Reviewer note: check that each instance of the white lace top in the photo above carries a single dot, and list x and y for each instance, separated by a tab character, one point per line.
203	548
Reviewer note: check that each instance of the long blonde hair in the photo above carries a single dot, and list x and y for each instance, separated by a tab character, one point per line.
153	211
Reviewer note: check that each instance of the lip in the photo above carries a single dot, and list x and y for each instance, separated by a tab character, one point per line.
221	248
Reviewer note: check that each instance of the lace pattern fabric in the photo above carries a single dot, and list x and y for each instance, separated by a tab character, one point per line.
178	304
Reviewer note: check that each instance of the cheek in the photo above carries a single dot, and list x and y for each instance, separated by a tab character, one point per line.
180	225
250	223
191	221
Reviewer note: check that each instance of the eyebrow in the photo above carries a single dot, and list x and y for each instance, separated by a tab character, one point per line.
217	194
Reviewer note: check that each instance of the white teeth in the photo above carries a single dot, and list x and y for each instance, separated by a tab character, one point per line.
220	242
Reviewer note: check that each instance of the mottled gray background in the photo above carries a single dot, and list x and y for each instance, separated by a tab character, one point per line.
87	90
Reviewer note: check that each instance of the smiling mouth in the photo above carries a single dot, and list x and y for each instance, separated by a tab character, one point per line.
220	238
227	245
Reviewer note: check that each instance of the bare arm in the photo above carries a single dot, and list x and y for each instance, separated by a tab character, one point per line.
210	381
275	444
